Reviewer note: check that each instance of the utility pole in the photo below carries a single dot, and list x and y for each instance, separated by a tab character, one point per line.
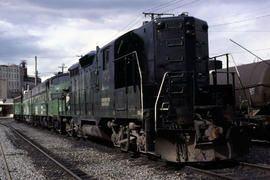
62	67
36	72
152	15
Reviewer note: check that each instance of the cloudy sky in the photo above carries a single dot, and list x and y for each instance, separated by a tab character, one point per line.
58	31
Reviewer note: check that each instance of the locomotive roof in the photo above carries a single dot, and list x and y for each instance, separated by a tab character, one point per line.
74	66
59	75
90	53
176	17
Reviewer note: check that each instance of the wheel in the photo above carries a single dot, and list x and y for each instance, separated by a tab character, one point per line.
70	129
115	139
124	139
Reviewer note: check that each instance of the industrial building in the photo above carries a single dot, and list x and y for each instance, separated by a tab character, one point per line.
13	81
10	81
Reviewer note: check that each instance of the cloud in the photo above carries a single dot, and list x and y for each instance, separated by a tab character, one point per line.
92	4
16	43
58	30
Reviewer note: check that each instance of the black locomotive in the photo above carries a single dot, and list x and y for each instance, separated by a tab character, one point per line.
148	91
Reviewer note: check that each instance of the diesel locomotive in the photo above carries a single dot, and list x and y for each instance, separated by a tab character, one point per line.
147	91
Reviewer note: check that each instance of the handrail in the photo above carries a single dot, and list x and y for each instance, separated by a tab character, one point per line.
159	91
125	55
141	83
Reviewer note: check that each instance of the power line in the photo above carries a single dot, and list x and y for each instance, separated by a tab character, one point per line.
128	25
243	31
167	5
133	22
160	5
240	21
194	1
241	52
42	57
250	11
249	51
125	28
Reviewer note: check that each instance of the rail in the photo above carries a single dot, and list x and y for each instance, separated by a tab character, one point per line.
213	174
5	163
227	177
43	152
267	168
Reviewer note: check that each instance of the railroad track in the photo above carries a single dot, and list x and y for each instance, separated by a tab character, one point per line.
5	163
47	159
213	173
231	174
210	173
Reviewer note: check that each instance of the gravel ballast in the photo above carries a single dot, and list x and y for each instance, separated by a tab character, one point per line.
18	160
100	161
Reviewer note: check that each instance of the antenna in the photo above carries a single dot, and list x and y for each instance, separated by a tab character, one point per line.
153	15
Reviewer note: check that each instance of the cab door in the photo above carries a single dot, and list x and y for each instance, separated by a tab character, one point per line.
127	91
120	85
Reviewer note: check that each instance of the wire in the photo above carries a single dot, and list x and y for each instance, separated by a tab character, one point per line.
243	31
240	21
241	52
183	5
160	5
249	51
127	26
133	22
259	49
39	57
168	5
250	11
